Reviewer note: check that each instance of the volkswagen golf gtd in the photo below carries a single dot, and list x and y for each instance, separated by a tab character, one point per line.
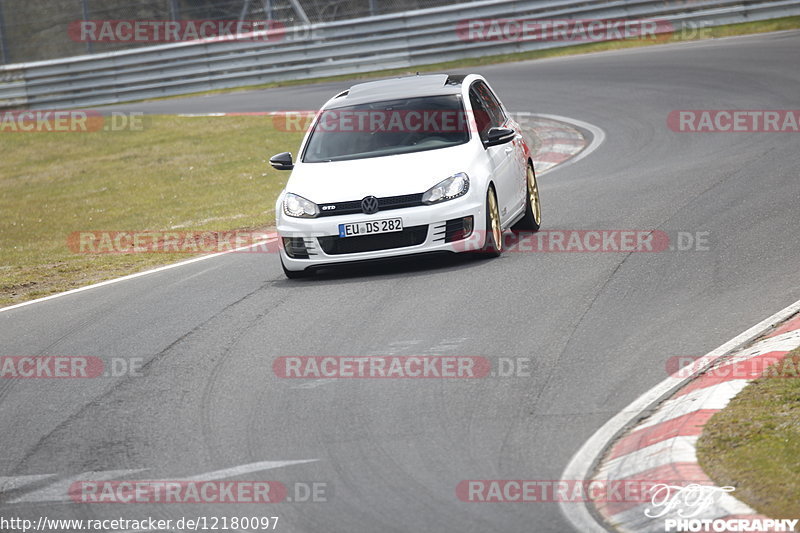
405	166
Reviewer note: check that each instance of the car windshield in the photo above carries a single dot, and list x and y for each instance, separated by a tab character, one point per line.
387	128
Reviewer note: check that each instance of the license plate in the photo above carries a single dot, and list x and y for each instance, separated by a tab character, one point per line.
372	227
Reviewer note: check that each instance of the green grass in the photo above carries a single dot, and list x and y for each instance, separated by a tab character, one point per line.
730	30
754	443
182	173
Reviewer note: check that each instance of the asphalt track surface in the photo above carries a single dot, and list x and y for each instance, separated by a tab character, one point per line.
598	327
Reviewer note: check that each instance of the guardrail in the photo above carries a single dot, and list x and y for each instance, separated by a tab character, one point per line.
399	40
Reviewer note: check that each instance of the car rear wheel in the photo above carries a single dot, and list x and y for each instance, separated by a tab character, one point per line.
532	220
493	245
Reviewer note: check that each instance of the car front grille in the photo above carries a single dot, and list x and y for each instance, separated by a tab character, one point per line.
384	204
335	245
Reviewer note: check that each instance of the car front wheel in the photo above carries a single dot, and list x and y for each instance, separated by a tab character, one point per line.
493	244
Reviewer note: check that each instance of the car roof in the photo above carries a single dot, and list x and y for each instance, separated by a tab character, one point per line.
395	88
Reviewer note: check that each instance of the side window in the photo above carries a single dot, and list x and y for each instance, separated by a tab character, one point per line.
483	118
491	104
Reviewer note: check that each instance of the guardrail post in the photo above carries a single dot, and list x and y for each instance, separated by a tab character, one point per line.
245	9
174	10
85	13
3	44
300	11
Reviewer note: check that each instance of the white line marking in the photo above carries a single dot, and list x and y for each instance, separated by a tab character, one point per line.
14	482
715	397
245	469
582	463
676	449
59	491
137	275
314	384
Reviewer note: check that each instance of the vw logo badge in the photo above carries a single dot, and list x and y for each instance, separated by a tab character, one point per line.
369	205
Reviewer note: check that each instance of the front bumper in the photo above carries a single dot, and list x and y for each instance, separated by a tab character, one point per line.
425	228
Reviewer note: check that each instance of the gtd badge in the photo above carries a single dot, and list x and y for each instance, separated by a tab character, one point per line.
328	207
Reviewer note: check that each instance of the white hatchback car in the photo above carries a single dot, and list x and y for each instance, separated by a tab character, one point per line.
405	166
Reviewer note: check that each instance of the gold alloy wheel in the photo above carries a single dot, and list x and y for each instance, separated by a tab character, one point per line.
533	191
494	215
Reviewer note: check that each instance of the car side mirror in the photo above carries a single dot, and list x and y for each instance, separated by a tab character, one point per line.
496	136
282	161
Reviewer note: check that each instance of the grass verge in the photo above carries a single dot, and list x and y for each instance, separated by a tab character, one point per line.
754	443
186	174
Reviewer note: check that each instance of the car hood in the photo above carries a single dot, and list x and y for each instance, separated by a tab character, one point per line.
341	181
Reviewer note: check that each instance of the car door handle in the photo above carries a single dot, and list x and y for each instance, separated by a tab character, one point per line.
509	149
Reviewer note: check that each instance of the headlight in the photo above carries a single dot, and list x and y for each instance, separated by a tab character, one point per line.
453	187
297	206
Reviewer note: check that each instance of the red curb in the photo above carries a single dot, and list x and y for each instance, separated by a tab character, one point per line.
553	157
688	425
740	367
786	328
748	369
671	474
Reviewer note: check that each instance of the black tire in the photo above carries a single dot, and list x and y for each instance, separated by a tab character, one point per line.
493	243
532	220
295	274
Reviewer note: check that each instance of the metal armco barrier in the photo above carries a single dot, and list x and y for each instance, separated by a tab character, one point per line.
361	45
